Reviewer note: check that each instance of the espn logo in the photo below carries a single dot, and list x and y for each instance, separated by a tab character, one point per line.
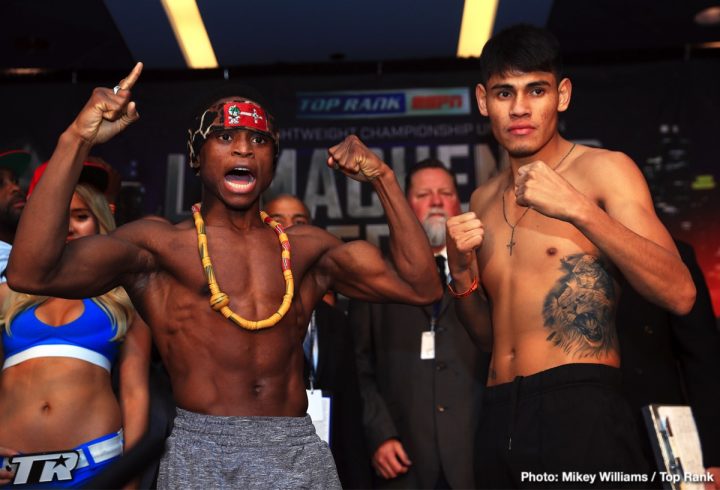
44	467
436	102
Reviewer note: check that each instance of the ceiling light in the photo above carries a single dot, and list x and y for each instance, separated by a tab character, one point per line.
709	16
24	71
190	33
477	24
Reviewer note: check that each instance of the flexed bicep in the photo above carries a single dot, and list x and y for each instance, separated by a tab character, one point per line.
358	270
87	267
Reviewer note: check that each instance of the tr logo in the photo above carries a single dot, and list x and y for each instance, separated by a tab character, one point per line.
44	467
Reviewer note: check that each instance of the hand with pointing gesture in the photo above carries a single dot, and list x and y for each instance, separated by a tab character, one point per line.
108	112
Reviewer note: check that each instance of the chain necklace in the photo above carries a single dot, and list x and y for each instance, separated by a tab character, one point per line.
219	301
512	242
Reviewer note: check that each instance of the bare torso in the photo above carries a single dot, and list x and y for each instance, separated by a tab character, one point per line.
215	366
553	300
41	398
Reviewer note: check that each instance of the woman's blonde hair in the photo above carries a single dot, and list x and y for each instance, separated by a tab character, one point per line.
115	303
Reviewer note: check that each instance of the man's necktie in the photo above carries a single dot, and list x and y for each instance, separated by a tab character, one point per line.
440	261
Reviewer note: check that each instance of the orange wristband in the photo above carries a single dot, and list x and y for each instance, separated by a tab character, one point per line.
473	287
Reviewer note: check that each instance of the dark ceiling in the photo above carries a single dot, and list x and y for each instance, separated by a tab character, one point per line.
83	36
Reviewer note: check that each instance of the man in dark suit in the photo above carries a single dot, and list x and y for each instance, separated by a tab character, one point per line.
13	164
673	360
329	361
421	377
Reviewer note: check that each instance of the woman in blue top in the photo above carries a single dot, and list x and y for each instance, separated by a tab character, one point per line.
56	393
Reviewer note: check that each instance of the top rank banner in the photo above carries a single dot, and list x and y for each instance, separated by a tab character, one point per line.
418	102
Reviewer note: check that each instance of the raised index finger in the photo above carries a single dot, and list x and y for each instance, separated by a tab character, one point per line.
128	82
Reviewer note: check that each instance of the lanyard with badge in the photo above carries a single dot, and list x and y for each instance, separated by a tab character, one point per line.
318	405
427	339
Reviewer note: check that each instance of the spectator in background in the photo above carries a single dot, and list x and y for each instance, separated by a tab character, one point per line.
329	361
288	210
421	377
673	360
13	164
55	386
96	172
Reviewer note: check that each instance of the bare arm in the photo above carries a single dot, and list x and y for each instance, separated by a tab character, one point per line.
134	367
358	269
627	230
465	234
5	475
134	371
41	262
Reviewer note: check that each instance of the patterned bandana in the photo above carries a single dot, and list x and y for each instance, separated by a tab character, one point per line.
234	114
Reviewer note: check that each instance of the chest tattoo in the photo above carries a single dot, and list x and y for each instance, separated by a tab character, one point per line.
579	309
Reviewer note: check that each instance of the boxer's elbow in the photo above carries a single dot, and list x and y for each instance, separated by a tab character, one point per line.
429	292
683	299
18	283
23	281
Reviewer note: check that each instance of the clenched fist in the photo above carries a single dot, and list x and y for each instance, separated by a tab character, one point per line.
355	160
465	234
543	189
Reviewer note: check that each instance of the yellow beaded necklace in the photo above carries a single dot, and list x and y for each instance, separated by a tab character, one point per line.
219	301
